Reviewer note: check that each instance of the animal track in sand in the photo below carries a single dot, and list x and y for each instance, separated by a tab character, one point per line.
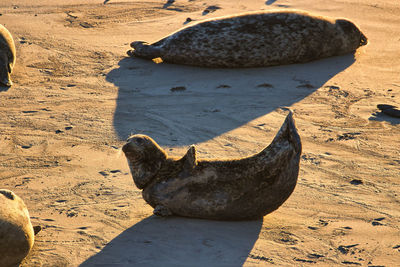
90	16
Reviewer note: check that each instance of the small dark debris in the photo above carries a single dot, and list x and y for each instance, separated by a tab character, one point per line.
333	87
61	201
394	112
356	182
265	85
389	110
104	173
376	265
58	131
261	258
68	128
345	249
223	86
315	256
379	219
347	228
374	223
71	85
384	106
347	136
29	111
188	20
178	89
323	222
351	262
86	25
115	171
312	228
27	146
210	9
303	260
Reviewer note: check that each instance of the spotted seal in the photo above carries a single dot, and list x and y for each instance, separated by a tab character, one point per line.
16	231
237	189
255	39
7	56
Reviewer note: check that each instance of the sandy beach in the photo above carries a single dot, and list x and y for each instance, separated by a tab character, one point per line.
77	96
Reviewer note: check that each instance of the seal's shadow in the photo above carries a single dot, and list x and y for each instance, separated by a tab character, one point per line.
180	242
181	105
4	88
380	116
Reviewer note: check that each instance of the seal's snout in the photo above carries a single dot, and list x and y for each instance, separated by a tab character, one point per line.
363	40
125	148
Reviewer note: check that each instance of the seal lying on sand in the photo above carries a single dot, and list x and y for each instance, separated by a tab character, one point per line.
7	56
238	189
254	40
16	231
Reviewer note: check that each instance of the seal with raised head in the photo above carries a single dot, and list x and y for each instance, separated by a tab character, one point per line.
255	39
7	56
237	189
16	231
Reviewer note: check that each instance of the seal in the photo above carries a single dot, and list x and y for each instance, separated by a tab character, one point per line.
16	231
255	39
237	189
7	56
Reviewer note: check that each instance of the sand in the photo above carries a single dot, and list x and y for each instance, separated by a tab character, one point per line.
77	96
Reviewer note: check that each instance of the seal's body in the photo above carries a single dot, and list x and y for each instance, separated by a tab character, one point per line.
7	56
238	189
255	39
16	231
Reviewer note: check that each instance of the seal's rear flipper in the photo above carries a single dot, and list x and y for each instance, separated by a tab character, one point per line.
144	50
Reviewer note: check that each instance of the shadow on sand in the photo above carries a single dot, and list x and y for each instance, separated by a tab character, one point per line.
380	116
179	241
4	88
182	105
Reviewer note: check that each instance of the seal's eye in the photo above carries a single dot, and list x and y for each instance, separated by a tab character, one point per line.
139	140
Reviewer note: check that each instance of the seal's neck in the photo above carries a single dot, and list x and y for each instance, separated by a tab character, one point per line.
144	169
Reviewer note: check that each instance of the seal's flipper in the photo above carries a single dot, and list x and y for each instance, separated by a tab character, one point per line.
190	158
162	211
5	70
37	229
144	50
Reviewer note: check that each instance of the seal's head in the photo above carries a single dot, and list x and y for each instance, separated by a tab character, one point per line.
355	37
145	158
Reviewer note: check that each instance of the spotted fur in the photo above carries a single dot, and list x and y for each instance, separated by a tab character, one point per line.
255	39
